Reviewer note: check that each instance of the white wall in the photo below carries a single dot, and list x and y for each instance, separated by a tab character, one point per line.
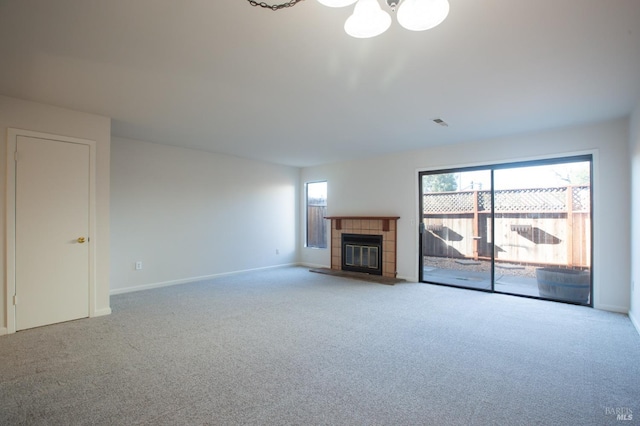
59	121
189	214
388	186
634	152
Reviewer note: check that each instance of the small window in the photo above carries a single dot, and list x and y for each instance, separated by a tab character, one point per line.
316	211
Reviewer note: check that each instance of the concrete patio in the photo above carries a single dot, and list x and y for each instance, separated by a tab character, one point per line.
505	282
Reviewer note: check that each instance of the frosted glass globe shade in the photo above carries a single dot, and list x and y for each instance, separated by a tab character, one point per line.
420	15
337	3
368	20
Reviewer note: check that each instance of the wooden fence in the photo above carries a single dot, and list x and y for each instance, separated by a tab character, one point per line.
316	225
544	226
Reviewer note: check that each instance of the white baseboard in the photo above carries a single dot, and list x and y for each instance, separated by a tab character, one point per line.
635	321
98	313
612	308
102	312
314	265
191	279
409	279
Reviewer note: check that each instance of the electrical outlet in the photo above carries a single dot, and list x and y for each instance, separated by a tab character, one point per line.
138	265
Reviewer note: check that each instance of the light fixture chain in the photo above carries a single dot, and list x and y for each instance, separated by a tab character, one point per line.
274	6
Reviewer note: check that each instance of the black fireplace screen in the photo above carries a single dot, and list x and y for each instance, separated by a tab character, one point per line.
362	253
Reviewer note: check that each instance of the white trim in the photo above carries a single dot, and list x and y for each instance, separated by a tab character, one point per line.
10	224
305	218
409	280
634	321
93	281
314	265
612	308
192	279
102	312
10	232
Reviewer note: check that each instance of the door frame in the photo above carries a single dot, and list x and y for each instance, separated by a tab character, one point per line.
10	225
591	155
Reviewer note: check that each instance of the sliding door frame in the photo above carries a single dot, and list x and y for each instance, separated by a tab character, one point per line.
590	157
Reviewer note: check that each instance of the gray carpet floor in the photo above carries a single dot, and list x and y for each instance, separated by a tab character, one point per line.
291	347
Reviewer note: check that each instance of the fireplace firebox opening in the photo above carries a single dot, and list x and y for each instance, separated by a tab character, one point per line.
362	253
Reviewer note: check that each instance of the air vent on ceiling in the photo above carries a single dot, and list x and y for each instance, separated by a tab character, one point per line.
441	122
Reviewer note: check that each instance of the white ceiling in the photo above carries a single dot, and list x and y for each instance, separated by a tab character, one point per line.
291	87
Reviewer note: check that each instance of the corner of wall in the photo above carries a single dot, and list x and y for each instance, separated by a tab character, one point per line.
635	320
634	155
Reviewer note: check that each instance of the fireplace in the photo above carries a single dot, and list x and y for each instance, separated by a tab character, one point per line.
375	242
362	253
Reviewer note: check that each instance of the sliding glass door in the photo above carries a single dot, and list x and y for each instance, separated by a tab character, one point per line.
456	225
543	231
522	228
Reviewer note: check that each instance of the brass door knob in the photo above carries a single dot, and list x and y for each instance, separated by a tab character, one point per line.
81	240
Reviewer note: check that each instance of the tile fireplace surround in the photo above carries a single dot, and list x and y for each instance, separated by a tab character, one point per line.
366	225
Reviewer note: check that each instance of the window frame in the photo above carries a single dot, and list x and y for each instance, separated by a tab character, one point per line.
321	239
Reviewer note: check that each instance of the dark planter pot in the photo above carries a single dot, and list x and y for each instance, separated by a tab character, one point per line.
564	284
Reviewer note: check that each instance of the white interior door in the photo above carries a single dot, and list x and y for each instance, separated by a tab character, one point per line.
52	231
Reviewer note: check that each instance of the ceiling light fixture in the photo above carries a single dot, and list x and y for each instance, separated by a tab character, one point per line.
369	20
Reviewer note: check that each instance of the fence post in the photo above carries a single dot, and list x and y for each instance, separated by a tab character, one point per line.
476	225
570	234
